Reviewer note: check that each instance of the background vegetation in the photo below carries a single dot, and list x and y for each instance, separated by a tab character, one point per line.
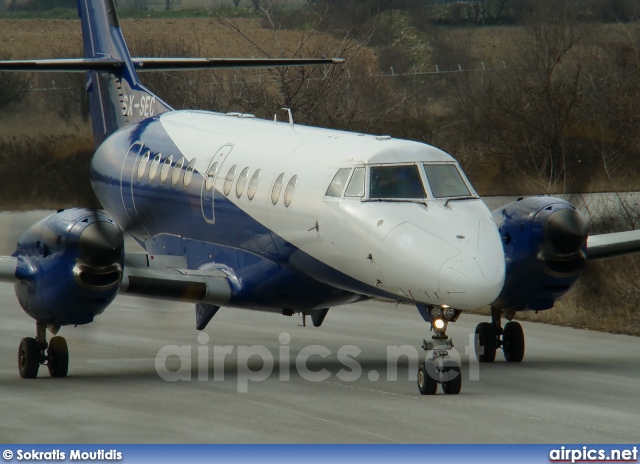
531	96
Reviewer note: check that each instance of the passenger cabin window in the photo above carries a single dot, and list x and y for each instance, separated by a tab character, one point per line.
153	169
356	184
143	164
337	184
242	180
253	185
396	182
288	192
188	175
177	169
228	181
166	167
445	181
277	188
211	177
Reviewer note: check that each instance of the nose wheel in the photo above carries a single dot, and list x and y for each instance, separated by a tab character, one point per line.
439	368
490	336
34	352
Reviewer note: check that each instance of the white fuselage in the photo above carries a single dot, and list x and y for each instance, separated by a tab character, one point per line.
434	251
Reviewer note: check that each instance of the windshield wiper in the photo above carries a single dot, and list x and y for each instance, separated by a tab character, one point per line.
459	199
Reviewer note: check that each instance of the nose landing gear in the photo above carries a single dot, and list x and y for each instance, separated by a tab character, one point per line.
439	368
491	336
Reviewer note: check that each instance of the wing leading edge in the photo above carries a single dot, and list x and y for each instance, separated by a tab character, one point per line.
614	244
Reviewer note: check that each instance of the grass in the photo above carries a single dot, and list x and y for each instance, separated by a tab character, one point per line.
55	176
55	13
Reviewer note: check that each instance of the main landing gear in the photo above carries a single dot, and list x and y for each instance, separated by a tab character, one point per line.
439	368
36	351
491	335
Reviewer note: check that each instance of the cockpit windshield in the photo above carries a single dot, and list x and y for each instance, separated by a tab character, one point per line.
418	181
396	182
445	181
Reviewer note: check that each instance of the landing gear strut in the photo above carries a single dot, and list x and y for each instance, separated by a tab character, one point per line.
34	352
491	335
439	369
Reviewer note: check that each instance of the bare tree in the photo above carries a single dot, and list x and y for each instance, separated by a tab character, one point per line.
139	4
326	96
488	11
13	87
532	108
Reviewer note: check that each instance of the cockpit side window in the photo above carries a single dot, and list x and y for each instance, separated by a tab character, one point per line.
445	181
356	184
396	182
337	184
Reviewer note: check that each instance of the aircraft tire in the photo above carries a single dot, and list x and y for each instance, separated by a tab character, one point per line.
58	357
485	342
454	385
427	385
513	342
28	358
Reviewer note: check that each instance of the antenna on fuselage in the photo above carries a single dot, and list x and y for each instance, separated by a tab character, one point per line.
288	110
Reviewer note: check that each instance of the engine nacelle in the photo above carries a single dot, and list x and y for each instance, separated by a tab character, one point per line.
544	241
70	266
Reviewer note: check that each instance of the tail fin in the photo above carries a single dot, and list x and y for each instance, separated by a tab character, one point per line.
116	96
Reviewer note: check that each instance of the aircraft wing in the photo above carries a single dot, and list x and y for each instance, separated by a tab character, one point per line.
148	276
614	244
8	266
153	277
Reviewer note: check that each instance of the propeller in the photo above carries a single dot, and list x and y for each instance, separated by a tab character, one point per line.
565	233
101	244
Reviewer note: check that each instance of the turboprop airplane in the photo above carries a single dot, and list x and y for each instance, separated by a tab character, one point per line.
272	216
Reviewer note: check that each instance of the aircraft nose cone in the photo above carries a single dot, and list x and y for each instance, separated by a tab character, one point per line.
565	231
473	282
101	243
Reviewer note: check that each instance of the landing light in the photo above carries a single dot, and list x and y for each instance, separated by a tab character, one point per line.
439	324
449	313
443	312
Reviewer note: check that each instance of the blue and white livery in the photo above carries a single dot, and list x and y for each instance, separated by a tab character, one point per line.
273	216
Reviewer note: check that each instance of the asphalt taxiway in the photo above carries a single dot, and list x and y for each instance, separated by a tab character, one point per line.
574	386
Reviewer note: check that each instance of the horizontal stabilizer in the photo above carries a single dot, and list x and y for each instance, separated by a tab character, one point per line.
156	64
615	244
62	65
177	64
